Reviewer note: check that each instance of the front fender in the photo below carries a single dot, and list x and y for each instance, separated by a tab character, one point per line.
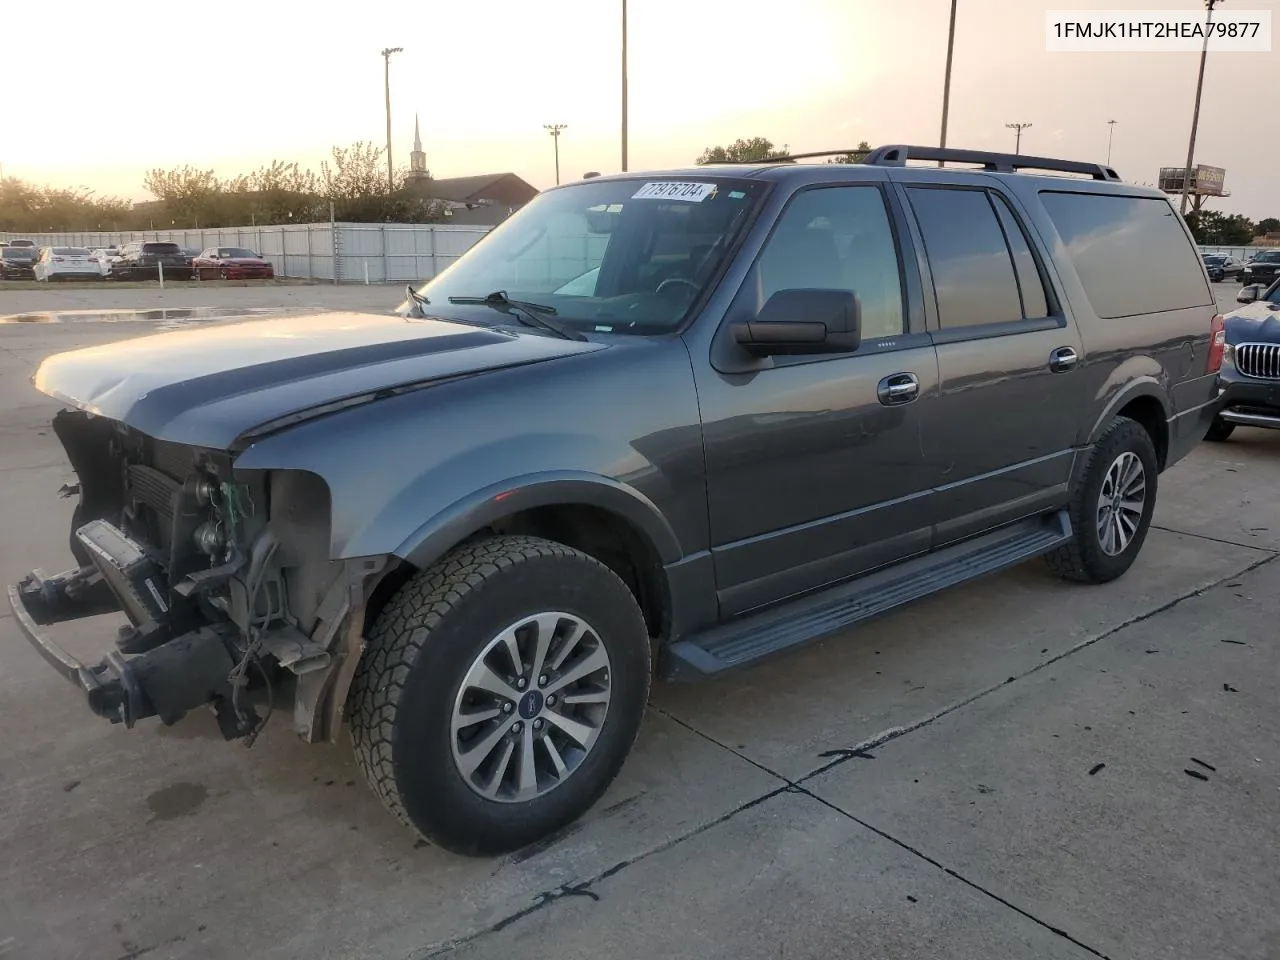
432	539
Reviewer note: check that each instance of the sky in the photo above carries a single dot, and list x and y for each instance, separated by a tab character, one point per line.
233	87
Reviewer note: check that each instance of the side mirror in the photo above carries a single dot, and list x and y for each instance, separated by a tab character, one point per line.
799	322
1250	293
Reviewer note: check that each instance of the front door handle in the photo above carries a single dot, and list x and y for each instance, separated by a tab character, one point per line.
1063	359
898	388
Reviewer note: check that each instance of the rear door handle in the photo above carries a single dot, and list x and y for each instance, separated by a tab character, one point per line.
898	388
1063	359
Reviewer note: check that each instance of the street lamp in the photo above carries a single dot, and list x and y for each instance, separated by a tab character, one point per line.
1111	129
1017	128
946	82
386	78
554	129
624	86
1195	114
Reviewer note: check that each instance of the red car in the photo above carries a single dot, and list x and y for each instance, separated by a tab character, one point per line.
231	263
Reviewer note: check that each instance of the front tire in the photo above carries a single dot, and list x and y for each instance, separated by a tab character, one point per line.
454	702
1219	430
1111	507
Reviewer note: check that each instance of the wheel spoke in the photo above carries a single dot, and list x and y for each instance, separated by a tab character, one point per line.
469	719
1121	536
1106	534
1130	506
585	696
499	773
566	648
546	631
528	772
557	761
597	659
469	761
579	732
483	678
513	651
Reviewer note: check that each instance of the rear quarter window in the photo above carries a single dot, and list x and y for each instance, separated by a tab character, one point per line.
1131	253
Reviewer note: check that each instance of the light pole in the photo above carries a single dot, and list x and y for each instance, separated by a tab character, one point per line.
946	82
1195	114
554	129
386	77
624	86
1017	128
1111	129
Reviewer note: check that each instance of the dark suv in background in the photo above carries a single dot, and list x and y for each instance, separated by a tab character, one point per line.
1262	268
141	260
18	263
686	419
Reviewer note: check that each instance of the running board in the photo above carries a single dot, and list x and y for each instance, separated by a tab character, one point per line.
755	636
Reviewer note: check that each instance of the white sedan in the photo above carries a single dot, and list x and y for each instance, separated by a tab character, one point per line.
67	263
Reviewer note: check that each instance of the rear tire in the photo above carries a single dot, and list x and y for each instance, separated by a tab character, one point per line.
438	658
1219	430
1111	506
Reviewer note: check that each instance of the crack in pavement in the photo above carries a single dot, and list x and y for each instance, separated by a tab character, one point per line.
1204	536
859	751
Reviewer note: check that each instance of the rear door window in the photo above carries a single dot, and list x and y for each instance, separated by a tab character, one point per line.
1131	253
972	267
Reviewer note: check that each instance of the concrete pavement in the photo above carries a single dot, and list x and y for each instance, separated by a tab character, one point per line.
919	788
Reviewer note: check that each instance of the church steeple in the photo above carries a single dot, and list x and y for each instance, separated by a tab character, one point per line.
417	158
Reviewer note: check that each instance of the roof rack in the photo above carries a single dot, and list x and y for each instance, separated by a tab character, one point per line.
897	155
783	158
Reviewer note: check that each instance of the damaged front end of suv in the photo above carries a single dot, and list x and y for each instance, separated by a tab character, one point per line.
224	576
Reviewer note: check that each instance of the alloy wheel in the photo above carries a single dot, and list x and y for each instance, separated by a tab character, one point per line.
1121	502
531	707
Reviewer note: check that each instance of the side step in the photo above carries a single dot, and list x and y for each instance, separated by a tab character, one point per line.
753	637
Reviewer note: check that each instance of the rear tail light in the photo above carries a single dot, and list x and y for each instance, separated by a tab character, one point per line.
1217	341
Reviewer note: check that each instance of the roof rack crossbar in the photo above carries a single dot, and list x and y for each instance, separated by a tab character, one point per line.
897	155
785	157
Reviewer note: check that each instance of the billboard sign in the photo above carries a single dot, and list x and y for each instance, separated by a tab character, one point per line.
1205	181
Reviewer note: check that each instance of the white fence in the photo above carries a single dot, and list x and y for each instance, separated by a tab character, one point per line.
368	252
339	252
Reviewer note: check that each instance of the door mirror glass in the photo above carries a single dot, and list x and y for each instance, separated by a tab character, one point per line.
806	321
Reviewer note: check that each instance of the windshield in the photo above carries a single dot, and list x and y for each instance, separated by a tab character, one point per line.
1209	258
18	253
610	256
70	252
1271	256
236	253
160	248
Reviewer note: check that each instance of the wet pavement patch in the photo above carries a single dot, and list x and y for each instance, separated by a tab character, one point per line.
177	315
176	800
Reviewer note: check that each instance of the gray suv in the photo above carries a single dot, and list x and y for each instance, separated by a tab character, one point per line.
681	420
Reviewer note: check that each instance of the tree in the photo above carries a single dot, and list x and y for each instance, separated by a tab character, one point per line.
742	151
1211	228
856	155
190	196
1267	225
26	208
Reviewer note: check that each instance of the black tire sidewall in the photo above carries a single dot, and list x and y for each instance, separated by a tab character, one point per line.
1125	436
435	797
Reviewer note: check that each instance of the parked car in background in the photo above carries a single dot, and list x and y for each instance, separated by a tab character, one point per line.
22	243
1263	268
18	263
796	396
231	263
1250	374
1221	266
103	256
142	260
66	263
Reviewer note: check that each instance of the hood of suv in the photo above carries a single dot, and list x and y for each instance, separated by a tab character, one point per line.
208	386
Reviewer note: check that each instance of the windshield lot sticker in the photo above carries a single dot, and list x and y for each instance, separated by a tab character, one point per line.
668	190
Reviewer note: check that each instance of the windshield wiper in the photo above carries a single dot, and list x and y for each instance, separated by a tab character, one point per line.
530	314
